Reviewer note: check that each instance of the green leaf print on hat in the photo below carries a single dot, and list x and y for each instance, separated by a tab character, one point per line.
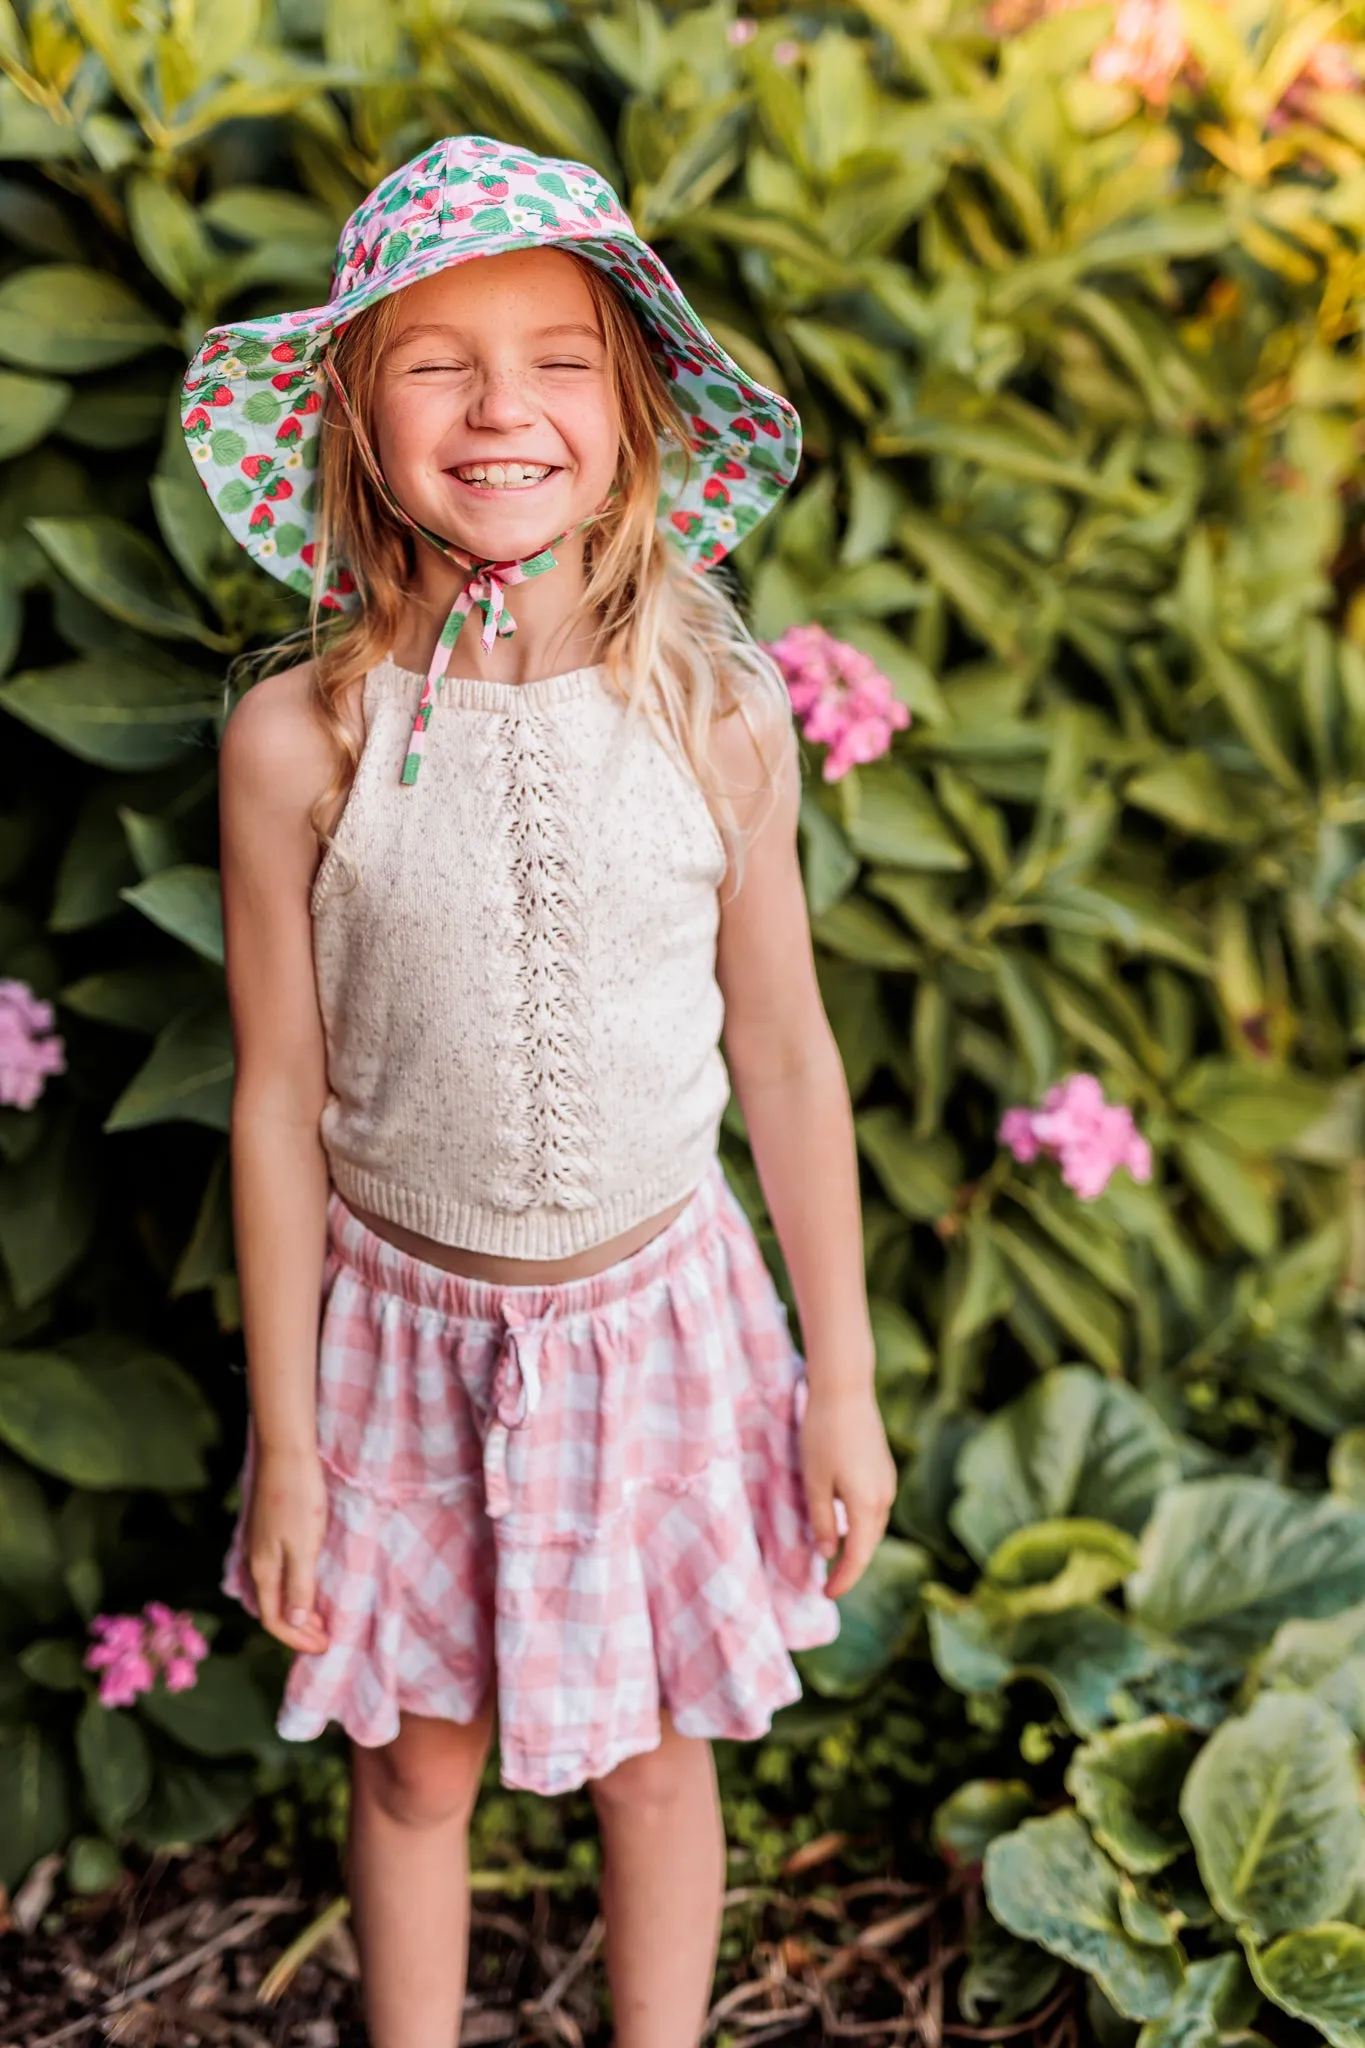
252	396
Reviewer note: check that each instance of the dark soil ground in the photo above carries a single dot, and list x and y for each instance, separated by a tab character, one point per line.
218	1947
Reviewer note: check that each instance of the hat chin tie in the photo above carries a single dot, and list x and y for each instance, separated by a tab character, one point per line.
485	582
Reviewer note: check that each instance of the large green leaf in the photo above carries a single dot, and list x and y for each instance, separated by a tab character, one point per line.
48	1206
113	712
34	1800
1273	1810
224	1713
187	1076
1226	1560
1084	1656
123	572
1318	1974
115	1762
1254	1107
186	902
1127	1783
1078	1304
1072	1444
875	1617
1049	1883
919	1174
134	1419
1326	1658
969	1820
1189	792
830	866
1239	1194
1051	1566
30	1554
169	237
63	317
187	1806
890	816
1216	1999
29	408
143	999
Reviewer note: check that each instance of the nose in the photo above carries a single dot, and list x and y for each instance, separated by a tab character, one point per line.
500	403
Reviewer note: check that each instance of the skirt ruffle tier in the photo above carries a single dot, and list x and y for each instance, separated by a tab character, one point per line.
587	1495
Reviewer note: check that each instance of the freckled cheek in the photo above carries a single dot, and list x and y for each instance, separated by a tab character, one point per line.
408	436
593	434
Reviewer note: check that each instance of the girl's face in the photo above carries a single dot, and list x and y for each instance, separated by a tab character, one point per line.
496	419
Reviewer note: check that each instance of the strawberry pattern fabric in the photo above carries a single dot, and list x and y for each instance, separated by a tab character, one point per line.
252	399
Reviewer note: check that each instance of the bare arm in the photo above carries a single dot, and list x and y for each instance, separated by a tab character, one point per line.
789	1081
275	762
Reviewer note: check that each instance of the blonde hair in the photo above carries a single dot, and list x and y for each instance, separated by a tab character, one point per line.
671	639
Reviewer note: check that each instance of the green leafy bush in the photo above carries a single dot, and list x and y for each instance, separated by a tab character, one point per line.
1082	382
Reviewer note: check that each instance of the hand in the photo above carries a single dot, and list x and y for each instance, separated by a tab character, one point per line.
284	1531
845	1458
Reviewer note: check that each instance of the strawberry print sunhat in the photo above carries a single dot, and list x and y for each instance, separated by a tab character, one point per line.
252	399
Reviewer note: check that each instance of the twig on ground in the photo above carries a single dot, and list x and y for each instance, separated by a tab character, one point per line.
242	1930
278	1979
577	1963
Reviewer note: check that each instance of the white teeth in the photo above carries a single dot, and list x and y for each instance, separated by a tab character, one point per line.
503	476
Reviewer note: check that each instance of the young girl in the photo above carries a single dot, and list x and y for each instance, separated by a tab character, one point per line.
529	1433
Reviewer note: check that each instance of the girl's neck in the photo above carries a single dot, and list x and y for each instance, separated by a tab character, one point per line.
554	632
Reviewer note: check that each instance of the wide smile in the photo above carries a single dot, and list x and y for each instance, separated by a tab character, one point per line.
486	477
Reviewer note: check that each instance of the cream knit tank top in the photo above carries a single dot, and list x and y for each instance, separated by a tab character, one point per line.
516	968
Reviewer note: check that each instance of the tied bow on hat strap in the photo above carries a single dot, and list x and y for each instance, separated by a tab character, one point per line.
484	585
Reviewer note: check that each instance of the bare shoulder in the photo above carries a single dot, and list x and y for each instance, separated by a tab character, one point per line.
277	755
274	748
754	751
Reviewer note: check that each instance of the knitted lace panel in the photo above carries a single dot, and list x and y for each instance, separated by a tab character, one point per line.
548	1125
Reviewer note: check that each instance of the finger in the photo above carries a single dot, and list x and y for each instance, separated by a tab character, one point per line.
823	1518
268	1578
266	1571
300	1602
864	1533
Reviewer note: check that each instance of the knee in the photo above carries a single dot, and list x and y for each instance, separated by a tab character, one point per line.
655	1787
424	1779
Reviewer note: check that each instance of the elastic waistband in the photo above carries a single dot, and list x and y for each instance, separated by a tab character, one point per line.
389	1270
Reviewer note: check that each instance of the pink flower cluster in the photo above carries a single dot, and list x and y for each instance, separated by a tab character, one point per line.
840	696
1148	51
1089	1137
130	1649
26	1056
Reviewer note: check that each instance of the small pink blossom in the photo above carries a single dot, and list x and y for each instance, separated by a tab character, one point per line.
840	696
786	53
741	31
1016	1131
130	1649
1147	50
26	1056
1331	67
1088	1137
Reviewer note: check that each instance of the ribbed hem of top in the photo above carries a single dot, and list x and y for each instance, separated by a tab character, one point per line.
516	1234
478	693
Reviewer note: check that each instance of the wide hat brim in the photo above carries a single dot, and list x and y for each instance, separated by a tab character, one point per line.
252	402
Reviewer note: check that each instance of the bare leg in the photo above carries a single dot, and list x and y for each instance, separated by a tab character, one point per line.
408	1876
663	1876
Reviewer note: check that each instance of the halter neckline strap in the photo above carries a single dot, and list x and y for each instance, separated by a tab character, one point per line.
485	583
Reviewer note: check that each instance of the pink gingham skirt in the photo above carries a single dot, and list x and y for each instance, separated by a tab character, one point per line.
587	1494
